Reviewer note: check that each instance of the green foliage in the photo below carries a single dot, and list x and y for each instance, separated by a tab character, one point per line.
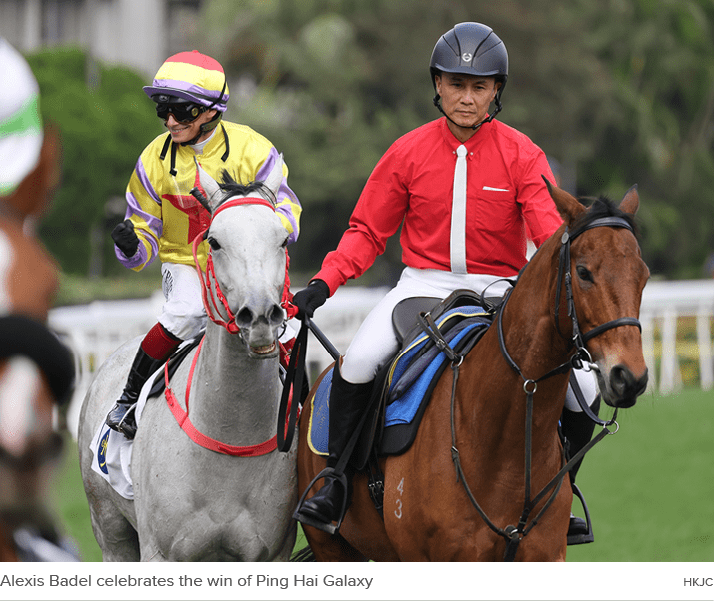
617	92
105	121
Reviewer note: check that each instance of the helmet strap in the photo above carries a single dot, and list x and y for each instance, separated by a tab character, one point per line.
497	109
209	126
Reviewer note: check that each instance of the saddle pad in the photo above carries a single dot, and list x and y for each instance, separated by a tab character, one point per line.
417	364
318	428
465	323
403	409
111	451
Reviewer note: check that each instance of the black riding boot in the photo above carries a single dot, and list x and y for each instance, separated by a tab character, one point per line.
347	404
578	430
121	417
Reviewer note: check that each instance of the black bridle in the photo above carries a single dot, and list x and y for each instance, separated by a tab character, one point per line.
581	359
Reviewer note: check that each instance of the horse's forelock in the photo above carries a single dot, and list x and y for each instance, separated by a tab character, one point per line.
231	188
600	208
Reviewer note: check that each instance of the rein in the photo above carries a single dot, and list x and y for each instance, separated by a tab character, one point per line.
209	283
581	359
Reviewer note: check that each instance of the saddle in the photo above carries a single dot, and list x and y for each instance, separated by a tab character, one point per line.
403	387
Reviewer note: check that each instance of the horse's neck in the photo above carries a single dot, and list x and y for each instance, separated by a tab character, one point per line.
535	346
531	336
234	398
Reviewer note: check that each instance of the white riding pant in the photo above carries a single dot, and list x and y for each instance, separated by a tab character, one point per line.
183	314
375	342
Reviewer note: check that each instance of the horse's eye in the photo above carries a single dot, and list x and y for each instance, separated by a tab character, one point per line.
584	274
213	243
285	243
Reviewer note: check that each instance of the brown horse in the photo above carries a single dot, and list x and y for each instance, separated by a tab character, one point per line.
485	464
36	370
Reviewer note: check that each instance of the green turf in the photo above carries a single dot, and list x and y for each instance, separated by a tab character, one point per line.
650	487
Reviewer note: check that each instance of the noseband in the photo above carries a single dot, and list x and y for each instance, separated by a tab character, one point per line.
582	358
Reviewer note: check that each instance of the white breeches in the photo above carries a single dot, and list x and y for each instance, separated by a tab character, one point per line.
183	314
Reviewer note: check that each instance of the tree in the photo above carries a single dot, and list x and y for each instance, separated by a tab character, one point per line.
617	92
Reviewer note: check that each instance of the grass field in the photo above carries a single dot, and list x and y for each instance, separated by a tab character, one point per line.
649	488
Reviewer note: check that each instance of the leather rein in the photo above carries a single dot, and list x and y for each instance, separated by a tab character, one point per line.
581	359
209	284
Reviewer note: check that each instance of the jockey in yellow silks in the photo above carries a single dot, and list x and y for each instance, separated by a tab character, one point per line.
163	218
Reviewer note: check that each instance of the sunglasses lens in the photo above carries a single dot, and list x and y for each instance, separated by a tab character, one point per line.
185	112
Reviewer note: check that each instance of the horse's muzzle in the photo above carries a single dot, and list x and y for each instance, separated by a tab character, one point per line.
624	387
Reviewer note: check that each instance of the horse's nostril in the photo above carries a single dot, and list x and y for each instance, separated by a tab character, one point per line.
244	317
620	376
277	315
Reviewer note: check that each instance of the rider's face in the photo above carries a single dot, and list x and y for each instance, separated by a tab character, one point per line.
465	99
181	133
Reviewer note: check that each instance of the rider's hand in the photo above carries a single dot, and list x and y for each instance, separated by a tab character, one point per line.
311	298
125	238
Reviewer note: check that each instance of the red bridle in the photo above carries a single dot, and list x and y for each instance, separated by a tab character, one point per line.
209	283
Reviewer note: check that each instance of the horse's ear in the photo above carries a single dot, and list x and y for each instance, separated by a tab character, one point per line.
209	184
275	178
631	202
567	205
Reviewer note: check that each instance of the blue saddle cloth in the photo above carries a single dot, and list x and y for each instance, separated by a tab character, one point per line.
411	376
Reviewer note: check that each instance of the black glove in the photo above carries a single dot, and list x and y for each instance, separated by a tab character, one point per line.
125	237
311	298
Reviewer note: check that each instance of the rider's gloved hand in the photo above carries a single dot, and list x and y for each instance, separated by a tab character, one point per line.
311	298
125	237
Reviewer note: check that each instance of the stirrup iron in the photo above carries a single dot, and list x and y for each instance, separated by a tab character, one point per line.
331	528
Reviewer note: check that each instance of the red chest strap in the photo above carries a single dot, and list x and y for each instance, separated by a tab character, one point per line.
197	436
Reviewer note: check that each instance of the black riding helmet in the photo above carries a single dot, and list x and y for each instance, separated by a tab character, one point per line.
470	48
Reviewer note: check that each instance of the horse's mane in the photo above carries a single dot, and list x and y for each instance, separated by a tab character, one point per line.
600	208
232	188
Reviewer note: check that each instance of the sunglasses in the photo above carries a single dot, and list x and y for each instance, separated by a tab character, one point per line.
182	112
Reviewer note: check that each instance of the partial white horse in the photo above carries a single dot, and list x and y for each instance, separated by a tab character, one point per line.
192	503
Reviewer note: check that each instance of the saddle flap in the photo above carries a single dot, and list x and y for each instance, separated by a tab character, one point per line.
406	312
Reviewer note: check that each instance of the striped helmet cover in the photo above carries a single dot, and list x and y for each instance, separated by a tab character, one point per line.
194	77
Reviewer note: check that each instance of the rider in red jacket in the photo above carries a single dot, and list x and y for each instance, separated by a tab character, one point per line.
467	191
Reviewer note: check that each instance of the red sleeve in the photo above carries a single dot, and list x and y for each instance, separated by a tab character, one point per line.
377	216
539	211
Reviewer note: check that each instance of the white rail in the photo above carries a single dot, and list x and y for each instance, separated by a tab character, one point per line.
94	331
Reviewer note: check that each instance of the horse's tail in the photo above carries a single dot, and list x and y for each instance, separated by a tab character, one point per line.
304	555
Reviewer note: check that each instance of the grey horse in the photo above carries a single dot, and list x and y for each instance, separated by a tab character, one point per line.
191	503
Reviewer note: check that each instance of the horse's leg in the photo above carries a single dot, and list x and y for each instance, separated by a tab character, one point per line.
116	537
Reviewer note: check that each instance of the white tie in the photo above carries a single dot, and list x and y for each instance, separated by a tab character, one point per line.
458	215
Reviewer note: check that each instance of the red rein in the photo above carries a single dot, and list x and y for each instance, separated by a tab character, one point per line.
209	284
